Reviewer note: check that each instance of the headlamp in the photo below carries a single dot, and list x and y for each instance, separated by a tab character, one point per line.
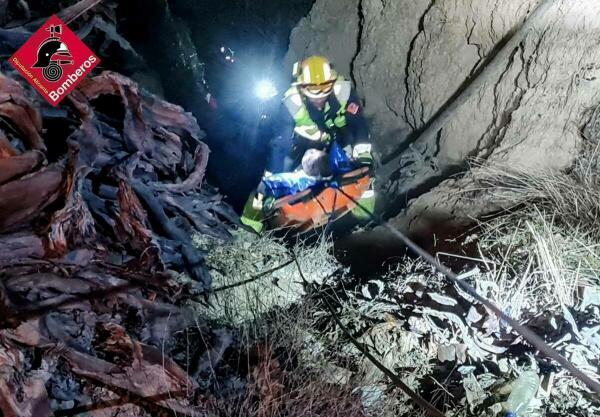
265	90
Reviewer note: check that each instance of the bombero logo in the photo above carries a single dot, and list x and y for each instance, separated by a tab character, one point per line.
54	60
52	55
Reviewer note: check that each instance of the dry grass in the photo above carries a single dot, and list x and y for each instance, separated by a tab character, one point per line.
572	197
249	256
292	372
547	247
534	262
543	254
273	393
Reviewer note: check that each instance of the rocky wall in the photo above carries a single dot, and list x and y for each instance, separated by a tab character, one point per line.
446	82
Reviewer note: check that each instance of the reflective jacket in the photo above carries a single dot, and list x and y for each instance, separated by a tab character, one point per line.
301	126
334	112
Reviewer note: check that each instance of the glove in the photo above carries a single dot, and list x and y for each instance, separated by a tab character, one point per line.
362	154
257	202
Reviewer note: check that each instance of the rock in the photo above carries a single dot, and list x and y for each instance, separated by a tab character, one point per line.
591	296
334	374
331	29
461	353
473	316
443	299
372	289
446	353
466	369
509	83
371	396
545	389
504	365
254	275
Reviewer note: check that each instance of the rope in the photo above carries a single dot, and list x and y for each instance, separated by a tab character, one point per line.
253	278
524	331
426	405
332	215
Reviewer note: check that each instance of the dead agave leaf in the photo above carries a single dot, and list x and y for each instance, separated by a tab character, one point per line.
21	394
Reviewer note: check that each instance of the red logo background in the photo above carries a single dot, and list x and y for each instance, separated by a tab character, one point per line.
83	59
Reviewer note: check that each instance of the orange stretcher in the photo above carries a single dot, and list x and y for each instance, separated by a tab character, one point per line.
316	207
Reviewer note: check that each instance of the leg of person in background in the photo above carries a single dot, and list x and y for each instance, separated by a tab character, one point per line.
285	154
252	215
281	147
293	158
355	136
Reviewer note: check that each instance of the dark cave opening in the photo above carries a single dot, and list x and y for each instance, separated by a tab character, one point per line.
208	57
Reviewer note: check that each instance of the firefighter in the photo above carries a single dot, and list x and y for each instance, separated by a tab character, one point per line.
320	106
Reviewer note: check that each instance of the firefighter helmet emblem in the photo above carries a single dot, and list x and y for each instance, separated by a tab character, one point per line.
52	55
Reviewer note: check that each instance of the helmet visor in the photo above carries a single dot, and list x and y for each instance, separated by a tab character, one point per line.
318	91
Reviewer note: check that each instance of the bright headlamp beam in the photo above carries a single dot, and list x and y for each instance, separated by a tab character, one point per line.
265	90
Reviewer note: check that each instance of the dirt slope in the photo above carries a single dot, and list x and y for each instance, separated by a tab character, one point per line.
507	82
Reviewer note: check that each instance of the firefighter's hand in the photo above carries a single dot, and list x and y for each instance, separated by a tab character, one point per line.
362	154
257	203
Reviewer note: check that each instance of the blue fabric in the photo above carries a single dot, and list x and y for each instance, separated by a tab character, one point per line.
290	183
339	163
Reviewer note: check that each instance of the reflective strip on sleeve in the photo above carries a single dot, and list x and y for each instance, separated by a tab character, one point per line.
293	103
308	132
